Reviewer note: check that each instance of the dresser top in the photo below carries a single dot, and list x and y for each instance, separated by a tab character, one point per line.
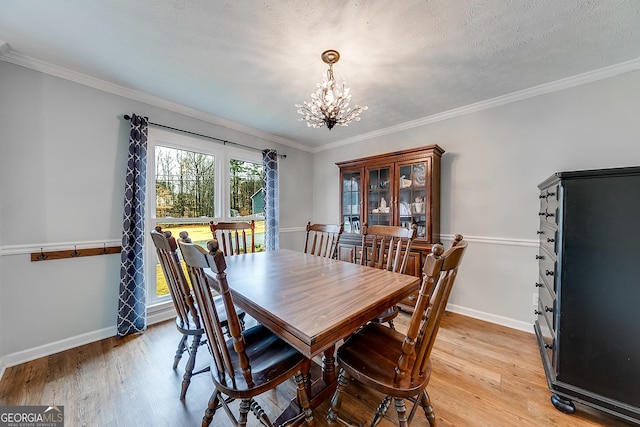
591	173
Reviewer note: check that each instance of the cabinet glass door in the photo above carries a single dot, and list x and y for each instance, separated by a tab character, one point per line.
413	197
379	197
351	201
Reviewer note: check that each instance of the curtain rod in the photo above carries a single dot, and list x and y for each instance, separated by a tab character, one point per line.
221	141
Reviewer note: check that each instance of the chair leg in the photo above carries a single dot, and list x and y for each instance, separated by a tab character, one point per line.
188	370
425	402
259	413
245	405
241	320
382	409
401	409
242	325
336	400
303	397
211	408
391	325
182	346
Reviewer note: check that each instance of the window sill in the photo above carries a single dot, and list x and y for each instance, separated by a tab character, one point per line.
160	312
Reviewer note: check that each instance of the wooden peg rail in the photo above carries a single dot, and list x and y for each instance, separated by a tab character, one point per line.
74	253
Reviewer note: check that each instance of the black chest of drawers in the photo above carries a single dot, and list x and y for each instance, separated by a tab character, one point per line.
588	324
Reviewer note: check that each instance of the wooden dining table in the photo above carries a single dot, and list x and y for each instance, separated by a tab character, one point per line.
312	302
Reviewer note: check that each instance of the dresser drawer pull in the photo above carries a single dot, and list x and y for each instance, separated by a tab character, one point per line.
549	346
540	232
548	309
548	215
539	256
551	194
550	240
542	196
542	213
548	273
538	285
537	313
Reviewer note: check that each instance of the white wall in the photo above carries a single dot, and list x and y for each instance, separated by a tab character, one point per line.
493	162
63	153
62	163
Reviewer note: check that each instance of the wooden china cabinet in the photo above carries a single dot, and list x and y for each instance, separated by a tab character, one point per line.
400	188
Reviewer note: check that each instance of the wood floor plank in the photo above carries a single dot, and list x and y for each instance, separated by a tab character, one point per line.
483	375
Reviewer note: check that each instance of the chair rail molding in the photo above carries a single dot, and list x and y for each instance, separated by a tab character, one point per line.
532	243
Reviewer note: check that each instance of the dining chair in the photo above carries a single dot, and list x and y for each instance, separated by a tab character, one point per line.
386	247
252	361
188	320
233	236
322	239
396	364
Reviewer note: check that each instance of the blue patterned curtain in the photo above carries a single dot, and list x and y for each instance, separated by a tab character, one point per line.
271	209
132	310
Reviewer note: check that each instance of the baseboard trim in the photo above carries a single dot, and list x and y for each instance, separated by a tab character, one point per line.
3	366
58	346
492	318
155	314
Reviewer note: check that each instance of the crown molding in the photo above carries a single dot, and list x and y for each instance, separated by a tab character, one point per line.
8	55
566	83
4	48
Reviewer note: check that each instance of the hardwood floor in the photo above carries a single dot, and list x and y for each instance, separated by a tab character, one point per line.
483	375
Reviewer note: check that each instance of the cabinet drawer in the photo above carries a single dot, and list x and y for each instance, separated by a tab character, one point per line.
548	235
547	307
547	264
549	215
549	202
549	198
548	340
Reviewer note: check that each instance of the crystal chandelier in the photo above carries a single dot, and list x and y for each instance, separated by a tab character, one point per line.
330	104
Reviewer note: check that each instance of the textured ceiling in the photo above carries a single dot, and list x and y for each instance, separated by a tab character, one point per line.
250	61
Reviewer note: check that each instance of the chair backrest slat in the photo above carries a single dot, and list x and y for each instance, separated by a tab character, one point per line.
197	259
385	246
232	236
322	239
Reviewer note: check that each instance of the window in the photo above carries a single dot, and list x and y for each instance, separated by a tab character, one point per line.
197	181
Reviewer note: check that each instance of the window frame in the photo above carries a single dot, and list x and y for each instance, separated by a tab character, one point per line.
222	155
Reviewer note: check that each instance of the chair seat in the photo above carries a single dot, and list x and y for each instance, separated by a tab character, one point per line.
272	362
375	367
188	328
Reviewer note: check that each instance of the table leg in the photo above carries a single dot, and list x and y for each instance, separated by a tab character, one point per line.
329	365
320	390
